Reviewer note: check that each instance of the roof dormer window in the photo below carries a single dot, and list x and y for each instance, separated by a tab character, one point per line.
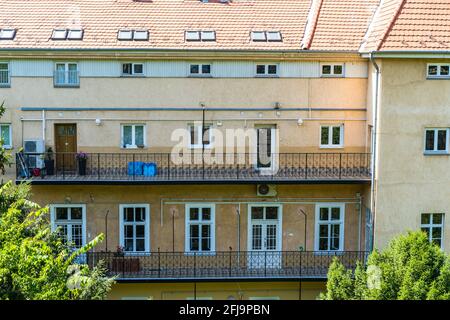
7	34
140	35
200	35
264	36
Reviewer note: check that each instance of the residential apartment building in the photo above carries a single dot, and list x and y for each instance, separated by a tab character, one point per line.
112	86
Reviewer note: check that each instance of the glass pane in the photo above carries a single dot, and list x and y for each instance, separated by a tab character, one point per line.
194	237
76	213
62	232
335	230
193	214
193	130
425	219
5	135
437	218
72	67
139	68
256	237
140	245
127	135
429	143
129	233
206	237
272	69
334	243
206	69
60	67
272	213
336	135
271	237
139	135
206	244
324	135
195	230
432	70
337	70
128	214
436	233
323	231
206	214
257	213
128	245
442	139
438	242
326	69
324	214
335	213
260	69
3	66
195	68
444	70
194	244
77	236
140	231
126	68
62	214
426	230
323	244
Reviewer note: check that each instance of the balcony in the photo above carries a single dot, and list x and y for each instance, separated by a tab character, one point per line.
242	265
160	168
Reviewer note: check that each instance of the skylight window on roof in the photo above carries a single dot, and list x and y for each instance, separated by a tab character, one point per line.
7	34
140	35
59	34
259	36
208	35
125	35
75	34
192	35
274	36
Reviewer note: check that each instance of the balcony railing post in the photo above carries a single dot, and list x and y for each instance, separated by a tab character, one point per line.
134	167
265	263
98	166
340	165
306	167
168	166
229	272
195	264
159	263
63	166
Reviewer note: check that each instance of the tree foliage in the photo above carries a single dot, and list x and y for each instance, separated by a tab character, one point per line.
410	268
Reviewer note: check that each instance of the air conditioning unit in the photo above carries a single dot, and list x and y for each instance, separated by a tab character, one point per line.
266	190
34	150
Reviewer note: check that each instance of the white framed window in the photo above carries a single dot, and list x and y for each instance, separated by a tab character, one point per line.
140	35
332	70
133	136
266	70
194	35
134	224
208	35
125	34
436	140
264	36
66	74
200	228
7	34
6	135
132	69
332	136
329	227
200	69
433	225
75	34
197	133
70	221
59	34
4	74
438	71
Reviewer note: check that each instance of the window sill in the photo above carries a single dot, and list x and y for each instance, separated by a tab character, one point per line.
436	153
75	86
199	253
200	76
332	76
331	147
438	77
267	76
5	85
329	253
133	76
134	148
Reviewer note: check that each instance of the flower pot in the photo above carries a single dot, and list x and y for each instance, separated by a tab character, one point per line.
50	167
82	167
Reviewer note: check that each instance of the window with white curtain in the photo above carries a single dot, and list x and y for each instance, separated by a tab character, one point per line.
133	136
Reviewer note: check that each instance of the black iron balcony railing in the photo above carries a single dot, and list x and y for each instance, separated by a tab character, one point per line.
163	168
223	265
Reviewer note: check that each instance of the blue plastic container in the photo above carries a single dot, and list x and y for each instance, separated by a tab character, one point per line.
135	168
149	169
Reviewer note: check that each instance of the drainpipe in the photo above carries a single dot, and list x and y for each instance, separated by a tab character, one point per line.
374	145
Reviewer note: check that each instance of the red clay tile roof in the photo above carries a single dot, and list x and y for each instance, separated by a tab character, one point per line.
341	24
410	25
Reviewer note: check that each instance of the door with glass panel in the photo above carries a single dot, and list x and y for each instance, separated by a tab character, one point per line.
264	237
68	221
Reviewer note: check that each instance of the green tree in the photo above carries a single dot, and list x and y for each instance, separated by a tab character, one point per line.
410	268
34	262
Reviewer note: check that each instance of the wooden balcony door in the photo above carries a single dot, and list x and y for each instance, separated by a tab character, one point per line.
66	146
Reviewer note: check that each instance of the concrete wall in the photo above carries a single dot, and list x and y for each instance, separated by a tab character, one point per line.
410	183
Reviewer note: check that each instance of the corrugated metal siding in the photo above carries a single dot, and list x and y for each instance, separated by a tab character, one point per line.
180	69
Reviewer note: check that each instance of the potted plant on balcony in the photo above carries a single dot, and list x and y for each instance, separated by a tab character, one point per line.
49	162
82	160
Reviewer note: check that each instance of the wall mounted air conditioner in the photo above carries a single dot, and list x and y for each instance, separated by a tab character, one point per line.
266	190
34	150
